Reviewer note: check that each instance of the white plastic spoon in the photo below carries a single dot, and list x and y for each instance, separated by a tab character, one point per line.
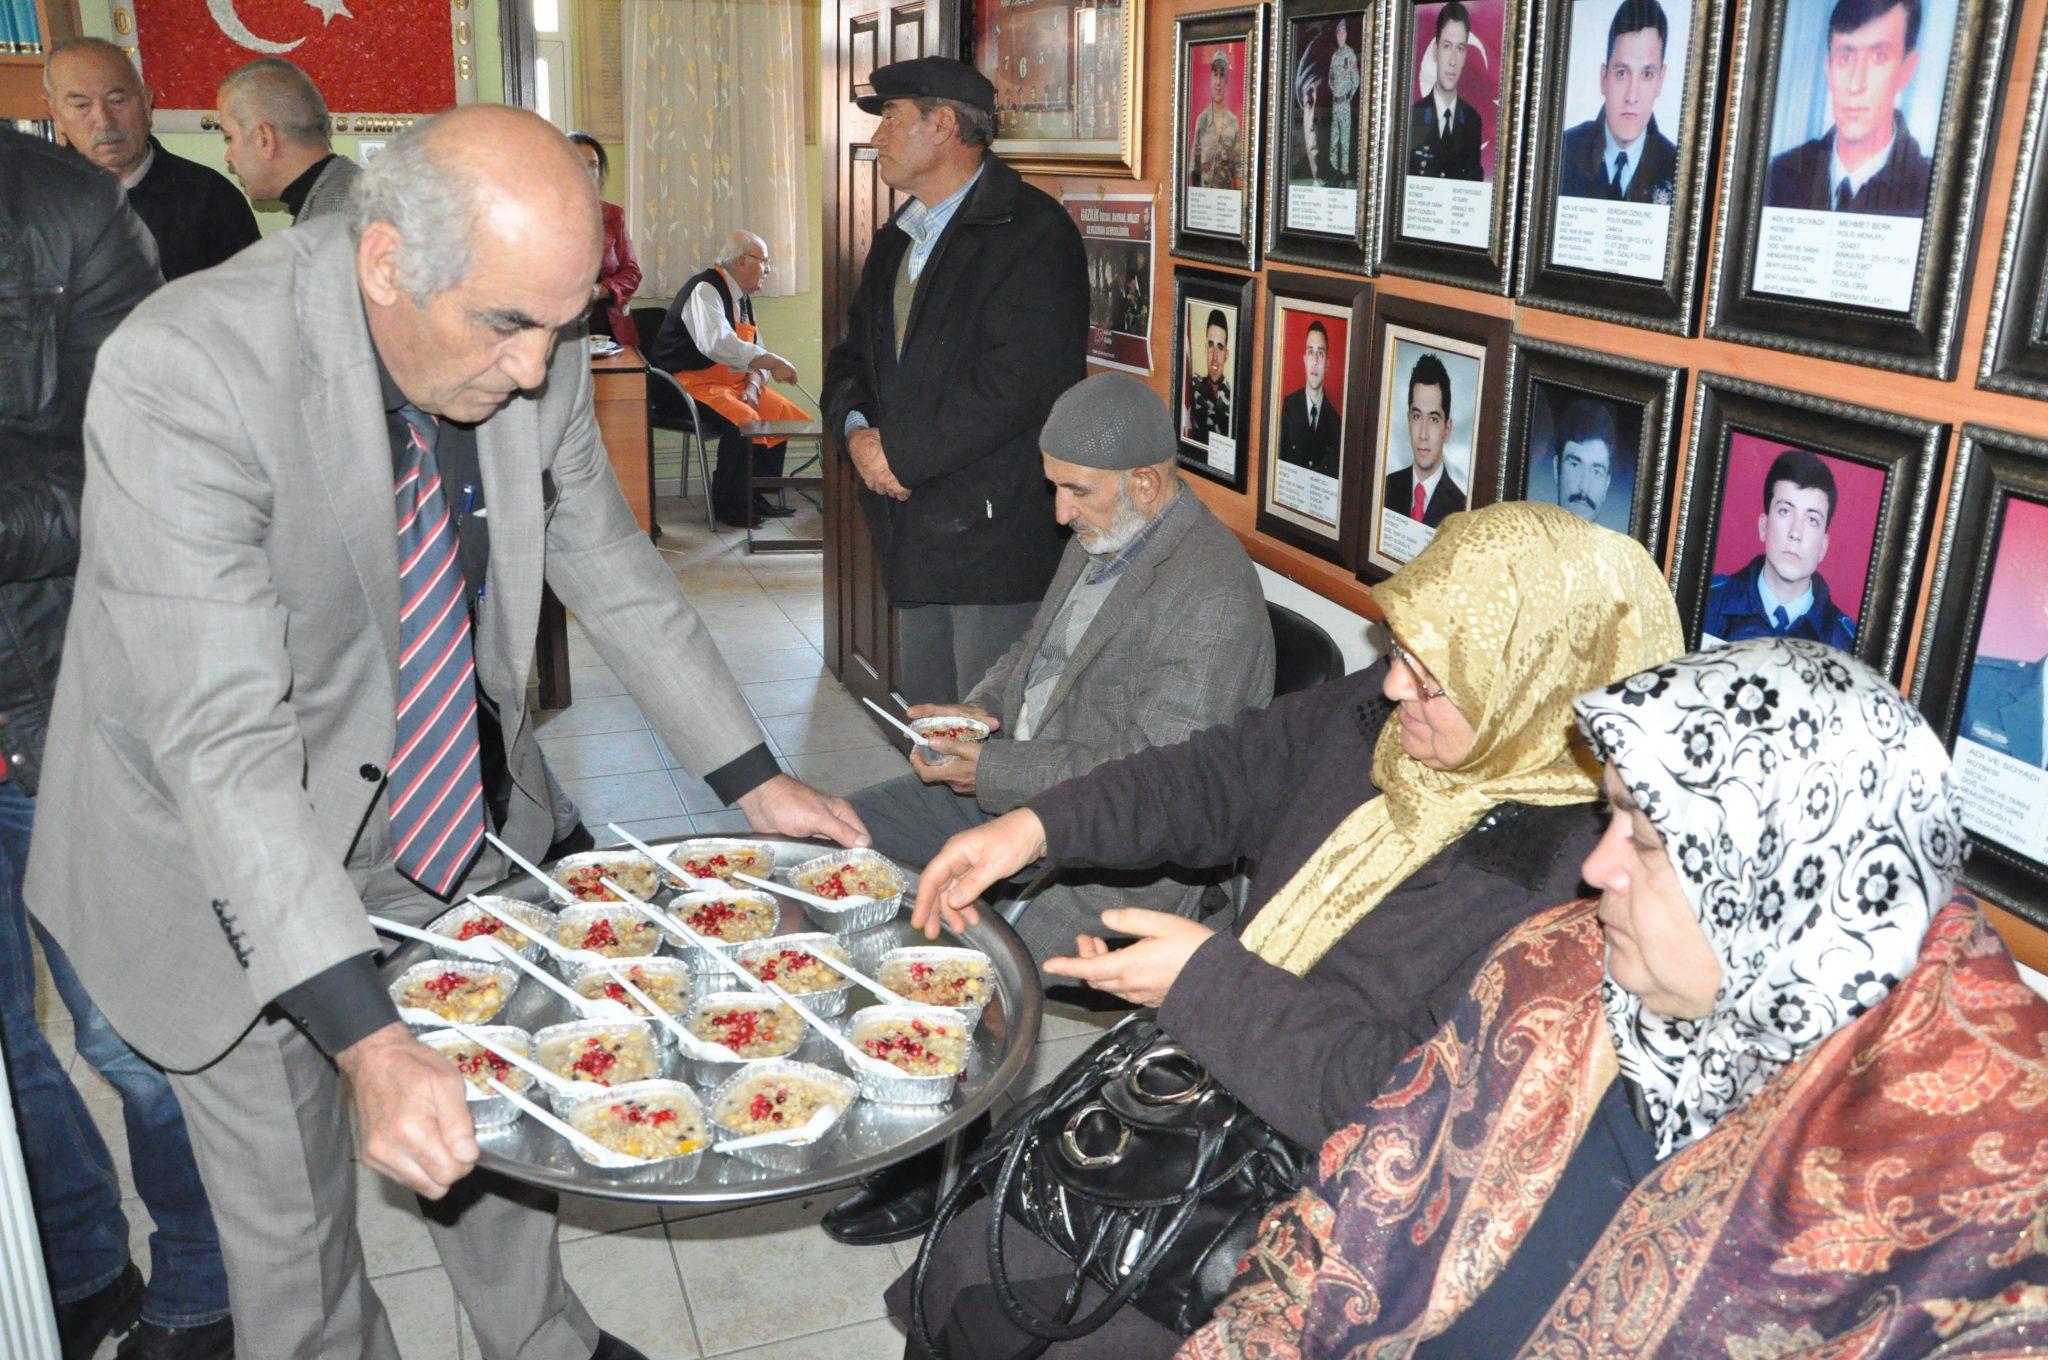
689	881
526	1065
555	890
890	718
539	937
427	937
597	1151
847	970
810	1131
826	903
700	1048
601	1009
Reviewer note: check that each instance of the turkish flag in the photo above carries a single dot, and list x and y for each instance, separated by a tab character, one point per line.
367	56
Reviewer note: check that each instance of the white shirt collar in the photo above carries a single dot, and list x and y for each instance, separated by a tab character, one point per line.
1837	172
1446	114
1633	149
1795	609
1428	484
135	176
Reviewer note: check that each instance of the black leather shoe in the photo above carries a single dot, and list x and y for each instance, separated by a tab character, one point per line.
610	1347
771	510
213	1341
83	1323
893	1205
576	842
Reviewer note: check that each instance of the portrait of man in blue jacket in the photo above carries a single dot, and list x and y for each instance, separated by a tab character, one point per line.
1781	593
2006	706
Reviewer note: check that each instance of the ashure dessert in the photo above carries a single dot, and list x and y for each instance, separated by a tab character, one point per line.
783	1097
650	1126
467	922
796	967
965	981
865	877
723	859
479	1064
616	935
668	988
584	877
731	919
752	1029
608	1055
469	995
923	1048
951	729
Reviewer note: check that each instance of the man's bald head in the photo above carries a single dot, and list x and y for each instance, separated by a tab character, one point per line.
98	102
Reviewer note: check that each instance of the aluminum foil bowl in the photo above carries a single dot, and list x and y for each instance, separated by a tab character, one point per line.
841	1089
575	921
451	922
675	972
826	1002
685	903
628	868
976	729
422	1018
681	1168
698	858
938	955
488	1109
708	1071
895	1087
549	1045
846	920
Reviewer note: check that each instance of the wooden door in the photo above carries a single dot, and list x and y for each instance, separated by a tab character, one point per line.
860	631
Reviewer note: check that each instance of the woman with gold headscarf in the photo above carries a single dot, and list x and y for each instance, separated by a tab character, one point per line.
1401	820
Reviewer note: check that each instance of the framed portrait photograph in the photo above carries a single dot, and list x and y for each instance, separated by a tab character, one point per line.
1595	433
2016	340
1437	382
1212	372
1982	656
1451	123
1315	330
1218	78
1849	195
1069	92
1622	112
1804	517
1319	173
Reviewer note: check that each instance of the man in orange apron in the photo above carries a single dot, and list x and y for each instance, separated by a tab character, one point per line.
710	342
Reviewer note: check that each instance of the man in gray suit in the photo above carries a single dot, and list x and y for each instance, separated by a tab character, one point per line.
274	123
294	688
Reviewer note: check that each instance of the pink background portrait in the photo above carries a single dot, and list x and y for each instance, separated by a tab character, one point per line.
2015	619
1294	334
1859	495
1197	86
1479	86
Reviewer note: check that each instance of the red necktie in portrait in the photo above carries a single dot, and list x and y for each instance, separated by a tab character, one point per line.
1421	503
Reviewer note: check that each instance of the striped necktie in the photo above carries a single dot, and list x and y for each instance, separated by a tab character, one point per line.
436	789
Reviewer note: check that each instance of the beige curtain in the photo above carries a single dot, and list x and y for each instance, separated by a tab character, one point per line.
715	136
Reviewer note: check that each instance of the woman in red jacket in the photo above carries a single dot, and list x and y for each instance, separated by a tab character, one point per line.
618	274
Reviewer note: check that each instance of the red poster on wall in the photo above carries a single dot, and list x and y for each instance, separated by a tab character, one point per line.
381	56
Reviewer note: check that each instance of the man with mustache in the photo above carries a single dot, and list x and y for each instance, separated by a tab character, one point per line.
102	110
1585	457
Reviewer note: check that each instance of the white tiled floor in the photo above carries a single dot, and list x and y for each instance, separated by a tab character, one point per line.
760	1283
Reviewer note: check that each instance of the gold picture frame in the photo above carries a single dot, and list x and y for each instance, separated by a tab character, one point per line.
1069	84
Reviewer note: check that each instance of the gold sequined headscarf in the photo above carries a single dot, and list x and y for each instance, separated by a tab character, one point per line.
1515	609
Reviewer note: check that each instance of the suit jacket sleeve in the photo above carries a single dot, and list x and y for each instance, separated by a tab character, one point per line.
846	368
234	223
624	595
190	600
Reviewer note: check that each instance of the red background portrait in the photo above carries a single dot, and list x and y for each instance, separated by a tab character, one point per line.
367	56
1859	494
1479	86
1293	334
2016	606
1197	86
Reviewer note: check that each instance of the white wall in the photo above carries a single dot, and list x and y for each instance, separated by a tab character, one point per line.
1354	634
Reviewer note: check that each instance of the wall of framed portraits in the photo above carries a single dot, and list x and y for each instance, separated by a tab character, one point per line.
1762	283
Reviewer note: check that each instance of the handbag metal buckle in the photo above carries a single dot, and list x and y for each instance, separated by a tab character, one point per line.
1070	1143
1191	1082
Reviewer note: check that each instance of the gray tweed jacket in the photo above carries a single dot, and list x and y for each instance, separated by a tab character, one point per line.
330	190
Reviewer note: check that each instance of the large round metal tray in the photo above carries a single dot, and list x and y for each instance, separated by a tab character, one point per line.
873	1136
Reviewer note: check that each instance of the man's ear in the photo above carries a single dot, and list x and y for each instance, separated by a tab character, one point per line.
266	139
377	258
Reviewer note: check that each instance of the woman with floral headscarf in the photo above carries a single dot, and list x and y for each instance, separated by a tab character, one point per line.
1776	1093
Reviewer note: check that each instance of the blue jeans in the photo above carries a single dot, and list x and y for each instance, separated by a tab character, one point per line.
70	1173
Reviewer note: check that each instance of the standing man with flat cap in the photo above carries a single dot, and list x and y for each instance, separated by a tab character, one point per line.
971	316
1154	628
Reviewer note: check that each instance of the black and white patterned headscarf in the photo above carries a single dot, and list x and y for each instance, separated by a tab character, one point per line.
1811	819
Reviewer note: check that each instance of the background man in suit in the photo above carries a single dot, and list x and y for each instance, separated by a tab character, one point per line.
274	124
1209	398
1585	457
2006	707
1425	490
103	111
288	695
1443	130
1622	155
970	318
1868	162
1310	423
1781	593
1153	628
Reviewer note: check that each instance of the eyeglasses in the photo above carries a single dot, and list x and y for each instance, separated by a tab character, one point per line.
1423	681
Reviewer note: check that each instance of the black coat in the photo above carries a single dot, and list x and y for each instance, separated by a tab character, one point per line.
1448	498
998	329
1317	449
198	217
1582	171
1799	178
1451	156
79	261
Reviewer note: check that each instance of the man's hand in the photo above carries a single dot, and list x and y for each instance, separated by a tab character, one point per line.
1141	973
968	863
412	1113
944	760
784	807
775	366
974	711
865	448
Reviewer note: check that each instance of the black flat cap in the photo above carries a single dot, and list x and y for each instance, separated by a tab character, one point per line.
928	77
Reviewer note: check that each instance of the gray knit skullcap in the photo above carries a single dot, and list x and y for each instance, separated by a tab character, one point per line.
1111	421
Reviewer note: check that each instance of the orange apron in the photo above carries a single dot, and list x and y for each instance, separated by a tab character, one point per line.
723	388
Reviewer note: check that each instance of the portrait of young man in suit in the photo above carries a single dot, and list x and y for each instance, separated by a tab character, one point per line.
2006	706
1443	130
1868	162
1311	426
1781	592
1621	155
1425	491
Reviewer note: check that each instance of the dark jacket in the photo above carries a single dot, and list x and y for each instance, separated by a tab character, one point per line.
674	348
1582	171
1800	178
998	328
1319	449
1452	155
196	215
73	261
1307	1053
1735	612
1448	499
2002	708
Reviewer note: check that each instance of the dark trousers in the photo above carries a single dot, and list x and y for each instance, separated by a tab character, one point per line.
729	498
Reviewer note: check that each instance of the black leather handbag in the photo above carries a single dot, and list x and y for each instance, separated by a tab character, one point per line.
1141	1170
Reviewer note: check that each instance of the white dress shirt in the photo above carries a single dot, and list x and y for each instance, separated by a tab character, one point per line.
704	316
